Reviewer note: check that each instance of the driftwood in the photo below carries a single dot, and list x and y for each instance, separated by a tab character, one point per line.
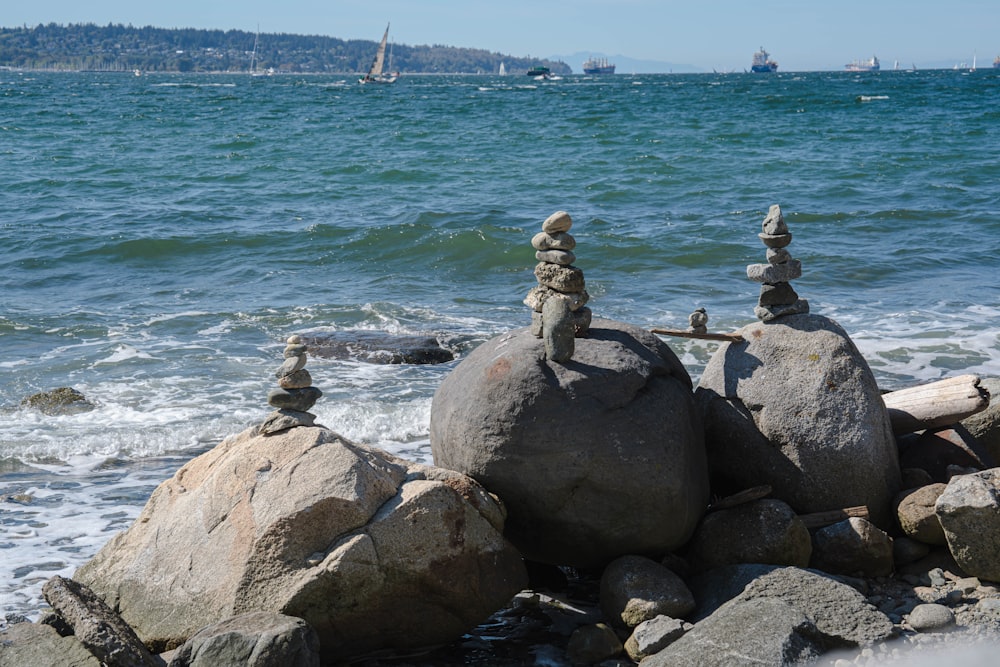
728	337
935	404
745	496
820	519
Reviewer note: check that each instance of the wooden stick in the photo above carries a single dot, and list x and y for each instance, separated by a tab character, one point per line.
730	337
745	496
935	404
820	519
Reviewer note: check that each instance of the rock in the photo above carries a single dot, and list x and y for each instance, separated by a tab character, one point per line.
561	257
560	278
290	365
590	644
39	645
837	609
969	512
538	294
596	458
282	420
906	550
557	222
763	531
654	635
372	551
936	450
95	625
61	401
299	400
853	547
556	241
931	618
635	589
256	639
985	426
558	330
795	406
758	632
915	512
296	380
379	347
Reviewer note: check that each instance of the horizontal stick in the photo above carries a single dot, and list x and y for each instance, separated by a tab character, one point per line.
935	404
820	519
730	337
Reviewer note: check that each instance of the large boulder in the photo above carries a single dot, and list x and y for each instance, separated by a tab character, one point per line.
795	406
372	551
969	512
985	426
257	639
596	457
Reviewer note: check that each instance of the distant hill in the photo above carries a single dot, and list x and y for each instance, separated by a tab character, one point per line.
126	48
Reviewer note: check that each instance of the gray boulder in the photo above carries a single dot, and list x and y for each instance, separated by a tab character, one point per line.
40	645
654	635
372	551
95	625
636	589
795	406
763	531
596	457
378	347
854	547
915	513
969	512
985	426
257	639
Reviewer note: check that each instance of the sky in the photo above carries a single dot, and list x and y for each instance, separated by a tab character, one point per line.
703	34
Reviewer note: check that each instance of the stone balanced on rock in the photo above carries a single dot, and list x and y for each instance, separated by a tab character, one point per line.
558	302
295	393
777	297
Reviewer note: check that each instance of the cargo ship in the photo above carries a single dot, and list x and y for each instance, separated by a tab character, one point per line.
870	65
762	62
598	66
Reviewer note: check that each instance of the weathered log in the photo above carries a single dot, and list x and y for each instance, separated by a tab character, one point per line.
828	518
728	337
935	404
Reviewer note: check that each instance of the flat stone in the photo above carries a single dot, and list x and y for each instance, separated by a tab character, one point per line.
294	399
538	294
557	222
777	294
768	313
557	241
564	279
775	273
561	257
777	255
282	420
295	350
290	365
775	240
297	380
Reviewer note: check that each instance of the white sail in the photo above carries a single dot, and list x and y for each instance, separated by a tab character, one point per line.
375	71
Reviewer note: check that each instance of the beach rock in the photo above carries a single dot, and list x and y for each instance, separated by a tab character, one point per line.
560	221
931	618
595	458
561	257
796	407
556	241
915	512
39	645
838	610
763	531
985	426
590	644
61	401
698	321
938	450
969	512
379	347
906	550
654	635
853	547
95	625
372	551
560	278
777	298
558	330
256	639
636	589
299	400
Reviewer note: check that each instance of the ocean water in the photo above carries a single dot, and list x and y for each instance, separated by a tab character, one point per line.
162	235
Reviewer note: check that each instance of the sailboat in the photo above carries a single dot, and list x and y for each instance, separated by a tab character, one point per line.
503	69
375	74
253	54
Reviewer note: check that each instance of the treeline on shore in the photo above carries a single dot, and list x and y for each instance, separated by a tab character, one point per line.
117	47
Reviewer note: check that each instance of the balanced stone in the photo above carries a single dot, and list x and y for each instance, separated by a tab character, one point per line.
558	330
294	399
775	240
557	241
561	257
774	223
295	393
297	380
294	350
291	365
557	222
778	255
775	273
539	294
777	297
777	294
698	321
560	278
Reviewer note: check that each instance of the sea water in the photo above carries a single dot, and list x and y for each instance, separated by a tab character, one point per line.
163	234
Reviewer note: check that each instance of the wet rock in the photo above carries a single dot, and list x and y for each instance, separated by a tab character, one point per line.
379	347
61	401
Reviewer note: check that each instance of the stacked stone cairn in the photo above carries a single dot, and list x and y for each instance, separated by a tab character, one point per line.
777	297
558	303
698	321
295	393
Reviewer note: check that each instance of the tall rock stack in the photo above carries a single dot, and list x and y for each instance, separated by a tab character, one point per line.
558	303
777	297
295	393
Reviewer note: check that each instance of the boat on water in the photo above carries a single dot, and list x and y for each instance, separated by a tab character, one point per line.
762	62
503	69
540	70
870	65
996	62
598	66
375	74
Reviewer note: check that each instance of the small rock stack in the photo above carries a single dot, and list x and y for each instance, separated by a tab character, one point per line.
295	393
777	297
559	313
698	321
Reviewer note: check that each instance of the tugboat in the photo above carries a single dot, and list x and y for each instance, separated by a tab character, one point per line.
539	70
598	66
762	62
870	65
